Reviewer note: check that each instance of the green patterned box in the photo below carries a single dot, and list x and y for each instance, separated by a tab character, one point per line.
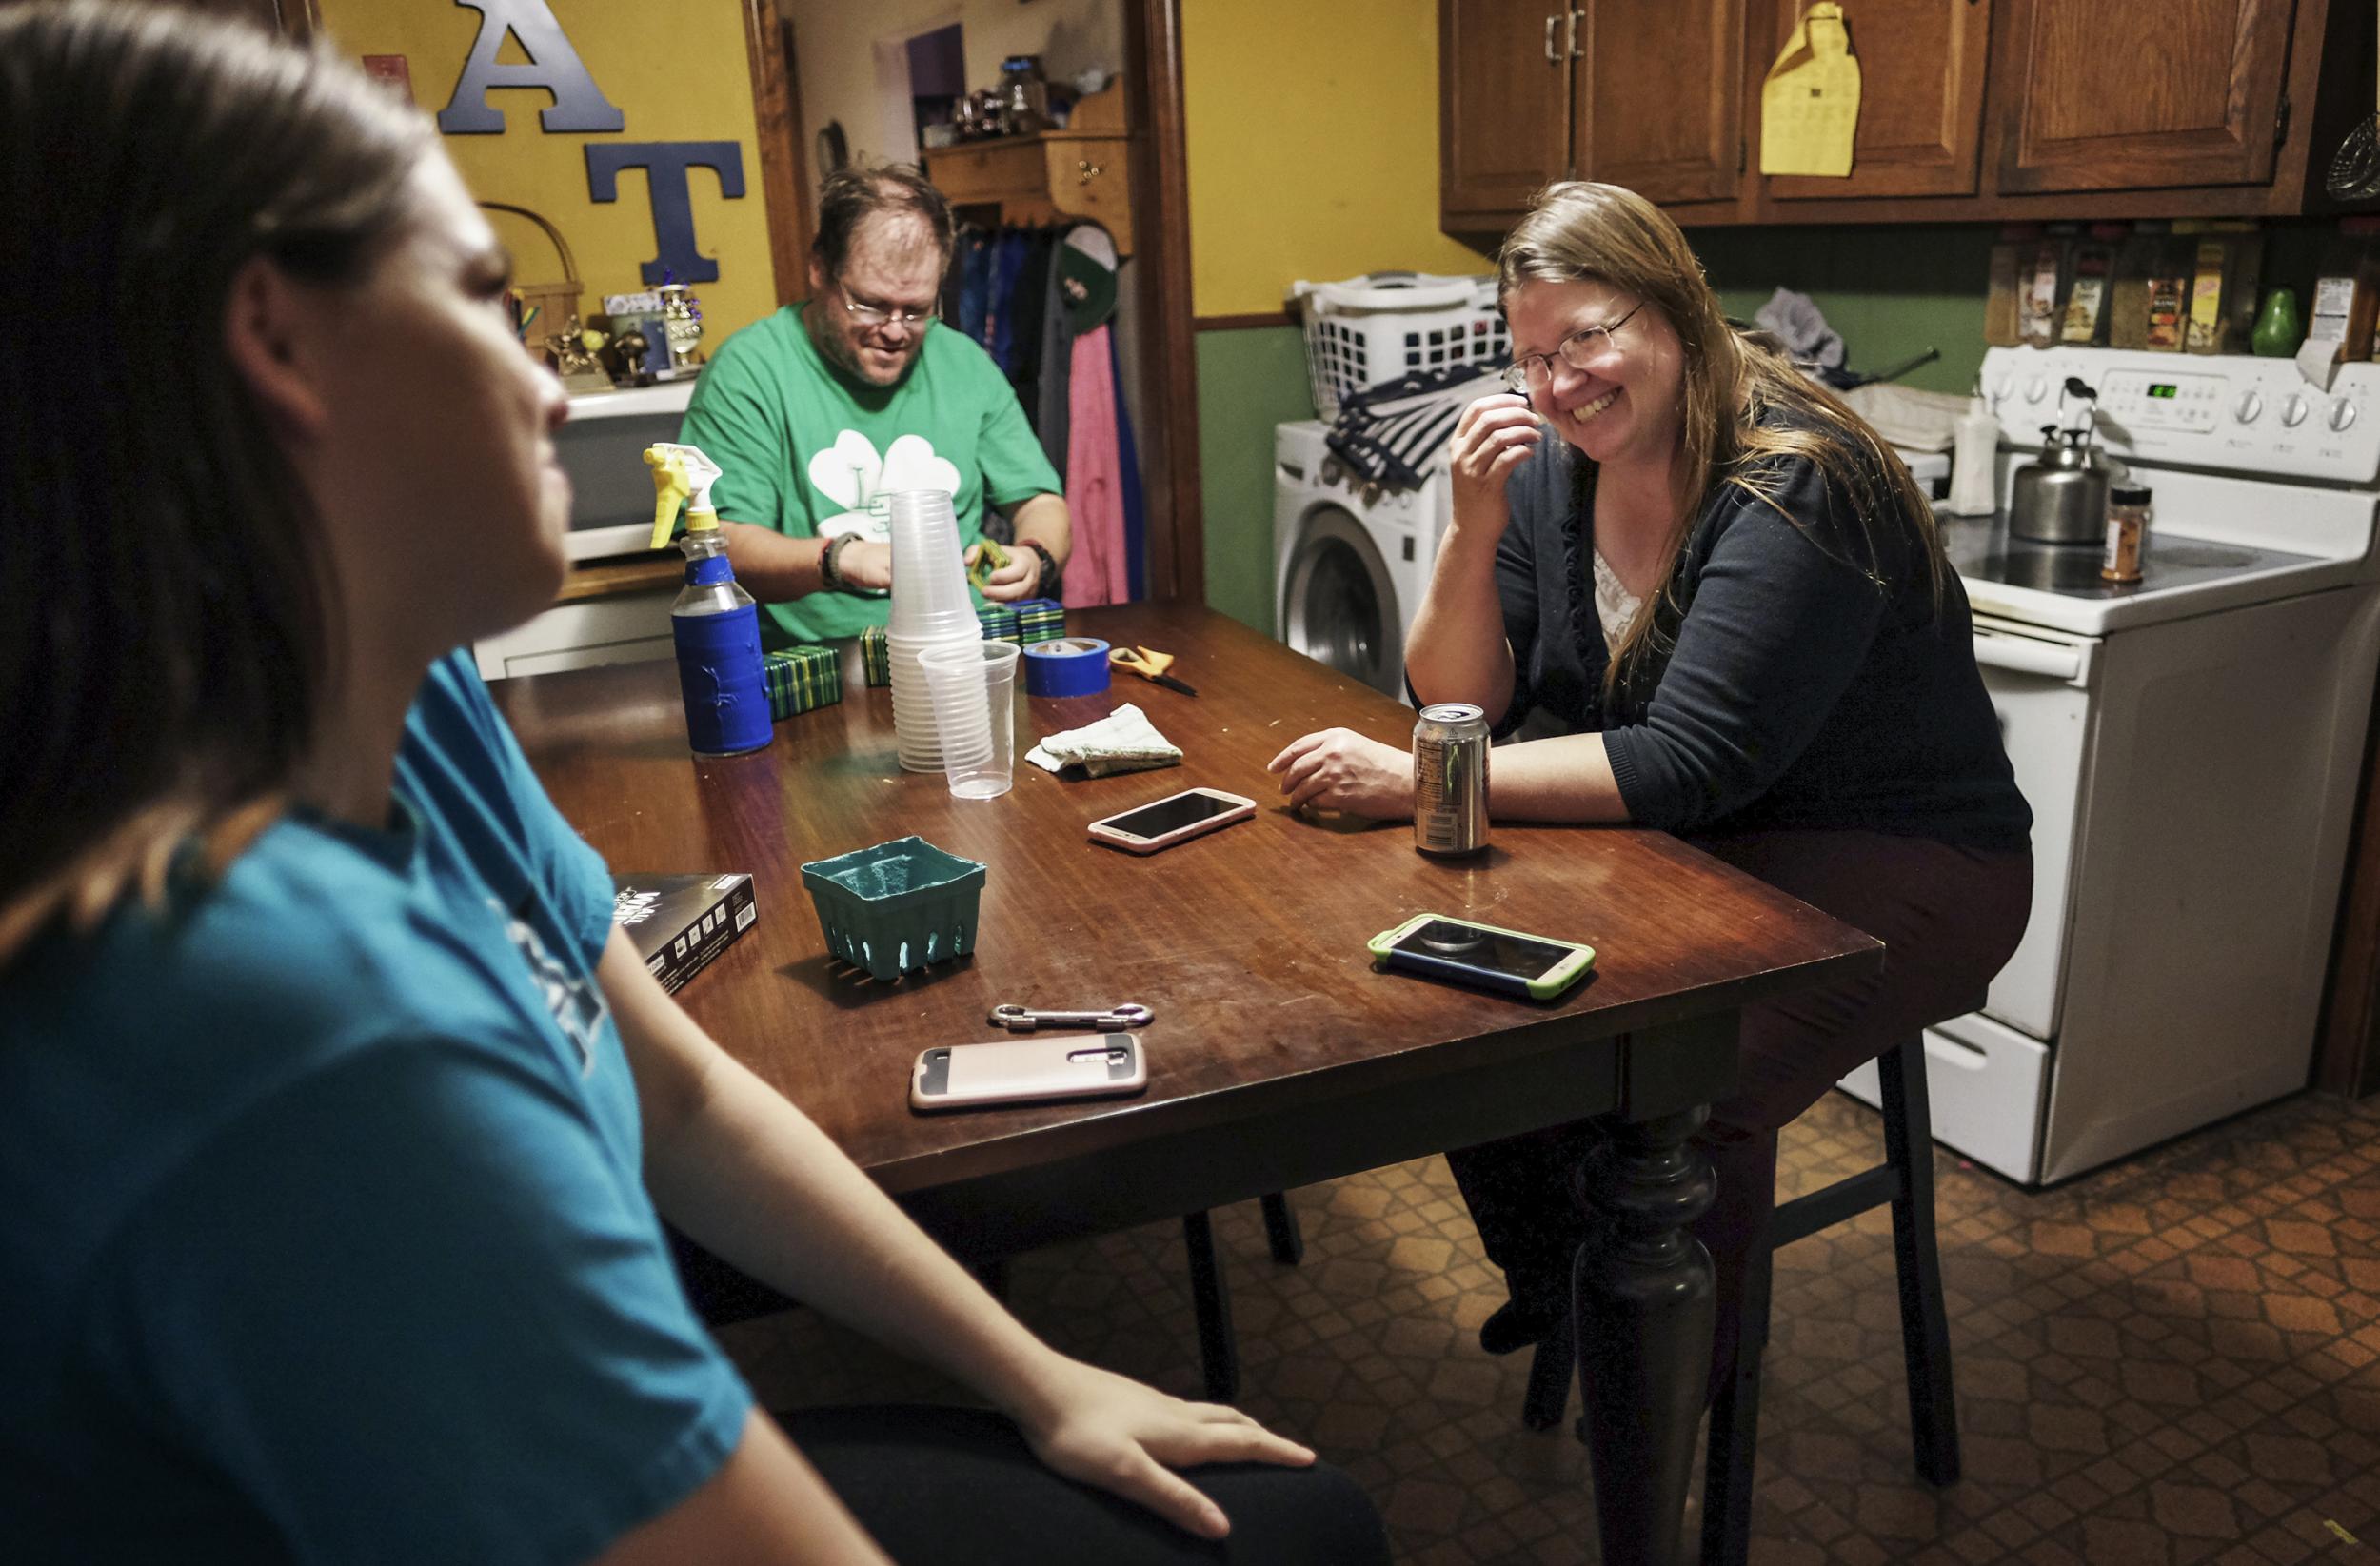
1040	620
876	656
801	678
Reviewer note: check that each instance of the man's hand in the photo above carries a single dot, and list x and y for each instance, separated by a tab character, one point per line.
1340	769
1114	1434
1019	578
866	562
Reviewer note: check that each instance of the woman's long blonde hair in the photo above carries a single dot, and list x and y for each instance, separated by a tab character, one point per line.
1579	231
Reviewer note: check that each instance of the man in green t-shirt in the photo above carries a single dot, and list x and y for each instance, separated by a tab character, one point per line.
818	414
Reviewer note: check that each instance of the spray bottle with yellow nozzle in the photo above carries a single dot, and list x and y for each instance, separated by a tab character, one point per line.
715	622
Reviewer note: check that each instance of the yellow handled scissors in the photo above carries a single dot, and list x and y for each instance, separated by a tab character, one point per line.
1150	665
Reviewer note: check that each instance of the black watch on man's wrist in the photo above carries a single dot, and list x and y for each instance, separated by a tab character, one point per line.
1046	583
829	576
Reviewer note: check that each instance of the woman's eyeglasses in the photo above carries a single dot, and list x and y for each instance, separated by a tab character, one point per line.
1578	350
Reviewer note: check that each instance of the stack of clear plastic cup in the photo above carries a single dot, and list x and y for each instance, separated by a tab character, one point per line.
974	685
931	607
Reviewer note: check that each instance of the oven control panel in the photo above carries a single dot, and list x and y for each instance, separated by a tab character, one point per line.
2222	411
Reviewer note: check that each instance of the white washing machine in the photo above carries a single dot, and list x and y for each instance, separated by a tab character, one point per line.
1350	557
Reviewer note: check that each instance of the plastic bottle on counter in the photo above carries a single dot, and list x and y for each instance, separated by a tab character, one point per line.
1974	461
2127	528
714	623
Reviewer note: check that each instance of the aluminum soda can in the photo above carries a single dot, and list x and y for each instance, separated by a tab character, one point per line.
1450	778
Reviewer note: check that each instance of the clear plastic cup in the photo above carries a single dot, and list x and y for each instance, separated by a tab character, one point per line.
975	694
929	591
917	731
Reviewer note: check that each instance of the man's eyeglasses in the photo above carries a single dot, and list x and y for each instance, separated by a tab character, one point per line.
1578	350
876	315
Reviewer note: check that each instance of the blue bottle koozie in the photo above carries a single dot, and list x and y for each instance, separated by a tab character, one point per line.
718	664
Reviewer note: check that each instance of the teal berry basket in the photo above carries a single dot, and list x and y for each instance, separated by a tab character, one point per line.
897	906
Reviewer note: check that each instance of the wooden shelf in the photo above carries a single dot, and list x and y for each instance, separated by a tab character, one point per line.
1081	171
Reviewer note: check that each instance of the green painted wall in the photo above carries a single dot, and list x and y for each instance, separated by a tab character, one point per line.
1892	292
1248	382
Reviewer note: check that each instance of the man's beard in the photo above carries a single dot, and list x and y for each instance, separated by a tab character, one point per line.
843	355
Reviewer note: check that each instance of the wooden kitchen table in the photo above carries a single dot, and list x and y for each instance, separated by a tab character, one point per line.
1279	1055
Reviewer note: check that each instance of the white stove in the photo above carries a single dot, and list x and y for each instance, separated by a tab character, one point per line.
2190	747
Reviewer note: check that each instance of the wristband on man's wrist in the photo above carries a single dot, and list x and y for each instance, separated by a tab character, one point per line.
1047	581
829	576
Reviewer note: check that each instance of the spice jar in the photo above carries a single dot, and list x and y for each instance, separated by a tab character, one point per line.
2128	526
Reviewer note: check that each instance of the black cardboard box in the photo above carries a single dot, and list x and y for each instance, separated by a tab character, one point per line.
679	922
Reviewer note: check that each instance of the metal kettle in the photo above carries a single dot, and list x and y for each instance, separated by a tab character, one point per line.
2061	496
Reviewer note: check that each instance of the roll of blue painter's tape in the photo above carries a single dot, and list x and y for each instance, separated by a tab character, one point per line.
1071	665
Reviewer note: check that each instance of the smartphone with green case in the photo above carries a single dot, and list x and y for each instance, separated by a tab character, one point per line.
1471	953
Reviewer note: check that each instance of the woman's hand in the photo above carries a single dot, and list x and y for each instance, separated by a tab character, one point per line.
1492	437
1340	769
1019	578
1114	1434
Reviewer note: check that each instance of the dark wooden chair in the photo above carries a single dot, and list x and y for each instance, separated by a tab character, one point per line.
1218	1349
1905	1182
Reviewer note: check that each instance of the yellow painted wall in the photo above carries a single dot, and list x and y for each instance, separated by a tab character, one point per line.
677	73
1311	134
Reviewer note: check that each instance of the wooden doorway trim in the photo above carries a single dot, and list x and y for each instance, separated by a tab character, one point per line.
1166	401
1169	404
777	117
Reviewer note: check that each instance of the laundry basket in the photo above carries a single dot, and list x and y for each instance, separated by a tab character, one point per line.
1374	328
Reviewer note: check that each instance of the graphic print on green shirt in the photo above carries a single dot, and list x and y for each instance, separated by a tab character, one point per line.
812	452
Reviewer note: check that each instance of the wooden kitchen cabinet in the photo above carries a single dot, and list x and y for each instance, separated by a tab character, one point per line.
1080	171
1657	97
1921	67
1644	93
2121	94
1971	110
1504	72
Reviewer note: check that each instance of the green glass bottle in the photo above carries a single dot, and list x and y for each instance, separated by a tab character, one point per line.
2278	331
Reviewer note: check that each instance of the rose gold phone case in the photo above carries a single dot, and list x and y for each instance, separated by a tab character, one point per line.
1057	1065
1102	831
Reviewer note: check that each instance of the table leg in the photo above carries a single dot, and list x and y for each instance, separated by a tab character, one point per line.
1644	1310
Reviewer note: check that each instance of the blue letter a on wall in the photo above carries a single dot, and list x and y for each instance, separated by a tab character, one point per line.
578	104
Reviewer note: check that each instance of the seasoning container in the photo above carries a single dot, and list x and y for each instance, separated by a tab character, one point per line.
2128	304
2003	284
2347	289
2127	528
2168	295
2040	290
2085	318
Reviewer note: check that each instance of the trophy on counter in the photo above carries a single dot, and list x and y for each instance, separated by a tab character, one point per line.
573	349
681	327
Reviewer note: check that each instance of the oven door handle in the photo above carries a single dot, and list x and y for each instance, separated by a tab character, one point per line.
2023	655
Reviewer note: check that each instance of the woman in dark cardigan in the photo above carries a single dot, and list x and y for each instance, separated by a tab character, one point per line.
1714	603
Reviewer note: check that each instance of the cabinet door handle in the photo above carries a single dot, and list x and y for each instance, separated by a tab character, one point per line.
1551	23
1573	36
1085	170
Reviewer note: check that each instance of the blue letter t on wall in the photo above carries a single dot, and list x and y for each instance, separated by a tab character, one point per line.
664	165
578	104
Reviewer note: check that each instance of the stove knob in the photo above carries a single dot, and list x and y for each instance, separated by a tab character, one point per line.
2248	409
2342	414
2036	388
2293	410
